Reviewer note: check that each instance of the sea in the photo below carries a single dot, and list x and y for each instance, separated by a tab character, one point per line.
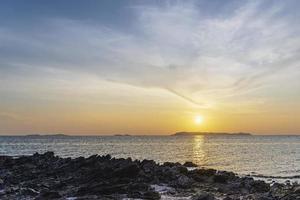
272	158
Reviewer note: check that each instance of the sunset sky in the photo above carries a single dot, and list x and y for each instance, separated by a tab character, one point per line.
149	67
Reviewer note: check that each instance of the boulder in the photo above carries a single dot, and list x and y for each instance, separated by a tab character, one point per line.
203	196
190	164
183	182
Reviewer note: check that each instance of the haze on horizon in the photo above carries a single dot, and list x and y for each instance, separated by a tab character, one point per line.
141	67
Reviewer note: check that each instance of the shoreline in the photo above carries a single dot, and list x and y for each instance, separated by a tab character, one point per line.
46	176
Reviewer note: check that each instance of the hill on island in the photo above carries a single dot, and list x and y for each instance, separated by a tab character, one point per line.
208	133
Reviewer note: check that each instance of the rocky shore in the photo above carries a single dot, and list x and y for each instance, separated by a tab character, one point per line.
46	176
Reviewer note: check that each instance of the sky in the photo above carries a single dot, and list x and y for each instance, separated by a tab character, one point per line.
149	67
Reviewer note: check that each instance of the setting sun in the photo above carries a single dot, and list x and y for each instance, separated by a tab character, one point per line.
198	119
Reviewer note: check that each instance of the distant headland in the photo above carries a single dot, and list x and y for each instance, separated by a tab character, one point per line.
209	133
48	135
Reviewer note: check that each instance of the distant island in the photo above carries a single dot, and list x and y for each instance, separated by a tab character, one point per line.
122	135
49	135
208	133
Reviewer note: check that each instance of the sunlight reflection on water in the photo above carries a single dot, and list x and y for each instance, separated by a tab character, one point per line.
199	155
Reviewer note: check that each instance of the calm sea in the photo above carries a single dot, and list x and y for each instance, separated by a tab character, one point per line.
277	156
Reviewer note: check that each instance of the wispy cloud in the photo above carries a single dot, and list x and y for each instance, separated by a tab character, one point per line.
173	47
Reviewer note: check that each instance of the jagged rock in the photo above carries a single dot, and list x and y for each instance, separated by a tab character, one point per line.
190	164
203	196
296	190
183	182
129	170
259	186
224	177
48	195
46	176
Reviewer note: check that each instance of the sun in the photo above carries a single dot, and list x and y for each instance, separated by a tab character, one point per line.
198	119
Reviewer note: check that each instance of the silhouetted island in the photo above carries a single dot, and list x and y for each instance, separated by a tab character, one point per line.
122	135
209	133
48	135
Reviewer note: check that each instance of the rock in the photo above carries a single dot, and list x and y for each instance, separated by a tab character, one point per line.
265	198
296	189
181	169
48	155
259	186
151	195
46	176
228	198
204	196
29	191
220	179
48	195
170	164
223	177
206	172
190	164
129	170
183	182
148	165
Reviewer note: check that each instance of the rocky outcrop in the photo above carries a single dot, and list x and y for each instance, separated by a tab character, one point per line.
46	176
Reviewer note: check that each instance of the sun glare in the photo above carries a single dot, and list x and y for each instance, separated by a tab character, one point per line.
198	119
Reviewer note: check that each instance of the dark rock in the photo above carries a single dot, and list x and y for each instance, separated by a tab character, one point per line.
203	196
296	190
29	192
259	186
183	182
170	164
190	164
205	172
224	177
228	198
220	178
151	195
48	195
46	176
128	170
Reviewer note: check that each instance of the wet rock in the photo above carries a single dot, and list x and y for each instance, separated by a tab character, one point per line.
148	165
296	189
151	195
170	164
190	164
29	192
46	176
204	196
228	198
223	177
1	183
206	172
183	182
48	195
259	186
129	170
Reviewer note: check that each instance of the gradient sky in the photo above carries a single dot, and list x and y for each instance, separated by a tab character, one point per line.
141	67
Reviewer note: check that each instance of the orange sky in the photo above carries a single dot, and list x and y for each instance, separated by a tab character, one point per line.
149	68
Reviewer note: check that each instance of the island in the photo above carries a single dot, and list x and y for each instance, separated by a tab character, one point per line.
48	135
210	133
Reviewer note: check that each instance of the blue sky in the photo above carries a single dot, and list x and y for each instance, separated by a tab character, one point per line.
231	58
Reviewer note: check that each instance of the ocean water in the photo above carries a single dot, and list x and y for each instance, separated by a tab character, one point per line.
269	157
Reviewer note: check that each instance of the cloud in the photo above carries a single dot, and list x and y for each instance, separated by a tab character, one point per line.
172	47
